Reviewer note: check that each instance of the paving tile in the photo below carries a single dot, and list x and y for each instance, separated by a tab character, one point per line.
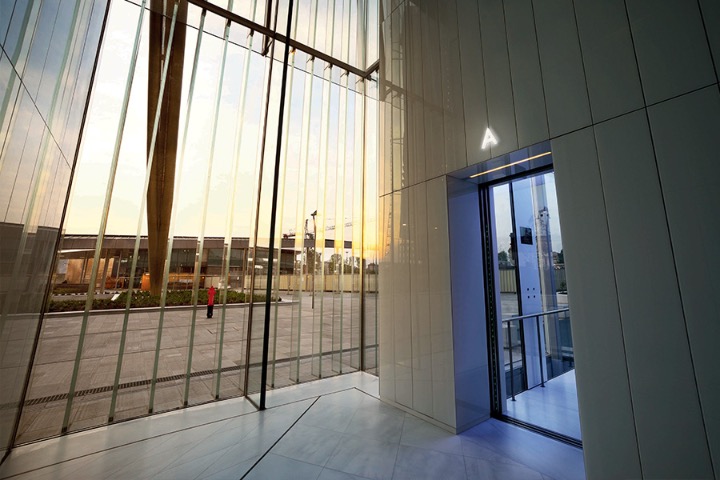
415	463
490	470
370	423
364	457
330	474
308	444
275	467
421	434
232	473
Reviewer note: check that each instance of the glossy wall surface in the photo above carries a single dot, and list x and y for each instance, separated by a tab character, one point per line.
46	63
627	92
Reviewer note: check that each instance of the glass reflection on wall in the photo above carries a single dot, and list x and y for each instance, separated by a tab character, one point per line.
172	198
48	53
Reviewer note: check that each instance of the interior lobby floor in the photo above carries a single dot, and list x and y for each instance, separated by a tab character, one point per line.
328	429
553	407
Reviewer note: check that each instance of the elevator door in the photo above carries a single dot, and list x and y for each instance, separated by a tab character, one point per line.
535	349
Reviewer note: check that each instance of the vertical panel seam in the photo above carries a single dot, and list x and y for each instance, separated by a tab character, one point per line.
582	62
430	323
482	53
512	83
405	178
680	294
462	88
707	39
622	331
450	282
542	80
420	85
444	170
632	43
402	54
462	81
667	226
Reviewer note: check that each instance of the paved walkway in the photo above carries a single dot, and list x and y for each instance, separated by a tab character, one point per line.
299	331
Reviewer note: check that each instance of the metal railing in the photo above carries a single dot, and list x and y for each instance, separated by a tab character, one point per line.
563	348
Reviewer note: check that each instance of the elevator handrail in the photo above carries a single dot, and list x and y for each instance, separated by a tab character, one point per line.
533	315
536	316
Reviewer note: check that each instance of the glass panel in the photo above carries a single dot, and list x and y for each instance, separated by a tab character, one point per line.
21	32
68	117
91	409
156	349
301	326
9	88
260	226
352	230
536	338
372	241
281	342
335	226
184	255
40	45
319	224
34	177
232	347
6	10
506	285
204	328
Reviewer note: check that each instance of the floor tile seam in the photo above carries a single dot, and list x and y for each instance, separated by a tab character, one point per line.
303	461
427	449
279	438
367	393
112	472
397	451
175	465
319	427
404	414
465	462
316	396
340	471
128	423
491	447
74	458
345	435
514	464
175	431
200	475
108	449
118	472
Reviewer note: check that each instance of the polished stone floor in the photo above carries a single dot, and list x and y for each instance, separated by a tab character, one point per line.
553	407
330	429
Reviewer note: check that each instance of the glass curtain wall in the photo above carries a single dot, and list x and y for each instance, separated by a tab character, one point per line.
174	193
47	57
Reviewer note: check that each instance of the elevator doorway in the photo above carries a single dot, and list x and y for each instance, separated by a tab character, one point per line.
534	377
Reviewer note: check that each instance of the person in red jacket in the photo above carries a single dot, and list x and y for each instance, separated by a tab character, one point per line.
211	301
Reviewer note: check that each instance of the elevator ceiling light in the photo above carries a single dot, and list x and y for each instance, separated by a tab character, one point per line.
510	164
